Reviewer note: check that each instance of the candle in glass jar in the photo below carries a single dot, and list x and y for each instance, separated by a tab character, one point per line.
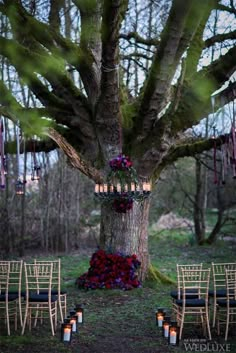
80	317
173	336
166	330
66	335
160	319
118	187
97	188
73	322
132	186
105	187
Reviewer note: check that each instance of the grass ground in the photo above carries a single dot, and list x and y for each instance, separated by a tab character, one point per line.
124	321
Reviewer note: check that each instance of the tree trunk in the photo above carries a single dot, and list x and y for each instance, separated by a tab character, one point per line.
199	205
127	232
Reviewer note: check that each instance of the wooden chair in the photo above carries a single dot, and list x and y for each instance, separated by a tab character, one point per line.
8	302
56	286
194	301
219	284
178	293
226	308
39	298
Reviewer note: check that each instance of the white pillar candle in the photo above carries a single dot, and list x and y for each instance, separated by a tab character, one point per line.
66	335
80	317
173	336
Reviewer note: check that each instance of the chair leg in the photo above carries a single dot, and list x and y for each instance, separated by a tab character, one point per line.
208	325
51	321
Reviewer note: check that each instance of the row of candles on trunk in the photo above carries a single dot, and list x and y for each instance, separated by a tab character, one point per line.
71	323
110	188
170	329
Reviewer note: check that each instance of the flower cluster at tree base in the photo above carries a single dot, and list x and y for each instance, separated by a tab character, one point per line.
111	271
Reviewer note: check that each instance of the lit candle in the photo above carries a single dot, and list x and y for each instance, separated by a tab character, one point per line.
144	186
173	336
80	317
160	319
105	188
73	322
101	188
126	187
148	186
66	335
111	188
132	186
97	188
166	330
118	187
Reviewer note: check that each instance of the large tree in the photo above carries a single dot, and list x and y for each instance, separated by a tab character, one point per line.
82	82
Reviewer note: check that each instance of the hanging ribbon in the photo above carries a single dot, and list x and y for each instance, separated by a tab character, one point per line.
2	162
233	136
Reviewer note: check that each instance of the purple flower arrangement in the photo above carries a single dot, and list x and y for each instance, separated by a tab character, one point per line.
121	162
111	271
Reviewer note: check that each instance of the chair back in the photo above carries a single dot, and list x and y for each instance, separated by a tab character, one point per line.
179	269
4	279
56	272
230	277
38	278
195	282
218	273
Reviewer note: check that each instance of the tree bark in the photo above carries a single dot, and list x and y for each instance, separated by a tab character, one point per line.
127	232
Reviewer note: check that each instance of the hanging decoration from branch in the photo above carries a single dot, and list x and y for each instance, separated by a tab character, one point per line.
35	167
122	186
3	170
20	184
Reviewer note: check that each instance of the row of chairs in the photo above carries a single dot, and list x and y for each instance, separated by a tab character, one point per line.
34	290
192	296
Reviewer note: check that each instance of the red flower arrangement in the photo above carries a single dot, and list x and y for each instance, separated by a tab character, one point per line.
111	271
121	162
123	204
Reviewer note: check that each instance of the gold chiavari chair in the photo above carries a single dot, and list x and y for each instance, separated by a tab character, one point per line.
219	284
195	284
226	308
39	299
56	286
8	302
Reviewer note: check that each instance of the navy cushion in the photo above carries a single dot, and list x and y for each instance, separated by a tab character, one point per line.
174	294
219	293
11	297
34	297
191	302
53	292
223	302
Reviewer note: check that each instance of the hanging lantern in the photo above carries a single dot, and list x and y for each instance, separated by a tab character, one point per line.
173	334
36	170
66	332
80	314
20	187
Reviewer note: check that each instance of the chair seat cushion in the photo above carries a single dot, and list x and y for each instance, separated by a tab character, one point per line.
219	293
174	294
11	297
42	298
54	292
223	302
191	302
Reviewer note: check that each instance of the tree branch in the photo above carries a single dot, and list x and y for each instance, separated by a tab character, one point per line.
74	157
220	38
182	23
139	39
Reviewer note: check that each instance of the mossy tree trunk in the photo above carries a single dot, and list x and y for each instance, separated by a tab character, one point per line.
127	232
